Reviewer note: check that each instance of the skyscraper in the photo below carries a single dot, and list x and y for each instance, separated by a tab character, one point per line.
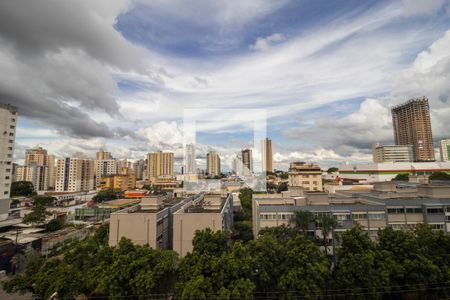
160	164
139	167
213	163
104	168
267	155
444	147
412	126
247	161
8	119
190	166
102	155
39	168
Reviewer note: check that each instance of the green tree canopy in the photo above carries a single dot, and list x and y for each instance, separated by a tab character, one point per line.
401	177
22	188
37	215
440	176
332	170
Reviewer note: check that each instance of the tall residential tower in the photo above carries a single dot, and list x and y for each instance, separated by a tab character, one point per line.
8	119
267	155
412	126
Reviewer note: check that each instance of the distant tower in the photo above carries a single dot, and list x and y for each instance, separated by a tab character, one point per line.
412	126
213	163
190	164
8	119
103	155
247	160
267	156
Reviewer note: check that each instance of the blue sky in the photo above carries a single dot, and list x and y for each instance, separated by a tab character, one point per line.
326	72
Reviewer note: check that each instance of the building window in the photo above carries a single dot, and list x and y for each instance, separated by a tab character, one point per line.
359	216
376	216
432	211
413	210
399	210
437	226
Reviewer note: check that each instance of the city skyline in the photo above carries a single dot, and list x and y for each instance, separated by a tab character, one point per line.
327	93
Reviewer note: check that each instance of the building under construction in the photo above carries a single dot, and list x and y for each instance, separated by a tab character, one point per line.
412	126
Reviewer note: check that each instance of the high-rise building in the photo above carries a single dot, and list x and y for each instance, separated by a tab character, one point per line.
74	174
247	161
444	147
190	165
104	168
213	163
139	169
103	155
412	126
34	173
392	153
237	165
51	162
160	165
37	155
8	119
306	175
267	155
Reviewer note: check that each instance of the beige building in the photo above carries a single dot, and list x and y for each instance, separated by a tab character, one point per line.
36	174
8	119
444	148
305	175
213	163
74	175
267	155
412	126
148	222
392	153
104	168
209	211
103	155
247	161
160	165
190	165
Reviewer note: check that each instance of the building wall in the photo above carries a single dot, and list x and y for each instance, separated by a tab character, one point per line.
74	175
160	164
213	163
138	227
267	155
444	148
308	176
247	161
8	120
392	153
104	168
412	126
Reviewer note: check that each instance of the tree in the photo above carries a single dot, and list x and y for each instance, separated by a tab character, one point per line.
43	200
439	176
401	177
327	224
332	170
301	220
246	196
107	195
22	188
55	224
37	215
282	186
242	230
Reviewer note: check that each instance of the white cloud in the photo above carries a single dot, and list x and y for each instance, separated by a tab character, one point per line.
422	7
264	43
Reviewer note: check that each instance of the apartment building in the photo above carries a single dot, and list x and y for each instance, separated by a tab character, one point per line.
104	168
103	155
160	165
139	169
213	163
392	153
412	126
305	175
373	210
190	165
212	211
267	155
8	120
150	222
74	174
444	149
38	175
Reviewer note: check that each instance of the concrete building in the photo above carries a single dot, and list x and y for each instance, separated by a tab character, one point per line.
103	155
267	155
208	211
74	174
34	173
412	126
37	155
392	153
160	165
139	169
150	222
213	163
387	171
190	165
123	182
104	168
444	148
247	161
382	207
305	175
51	162
8	120
237	166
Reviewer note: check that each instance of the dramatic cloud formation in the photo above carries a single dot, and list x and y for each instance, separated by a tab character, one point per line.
89	74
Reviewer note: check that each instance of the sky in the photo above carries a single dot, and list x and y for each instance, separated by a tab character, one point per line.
121	75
